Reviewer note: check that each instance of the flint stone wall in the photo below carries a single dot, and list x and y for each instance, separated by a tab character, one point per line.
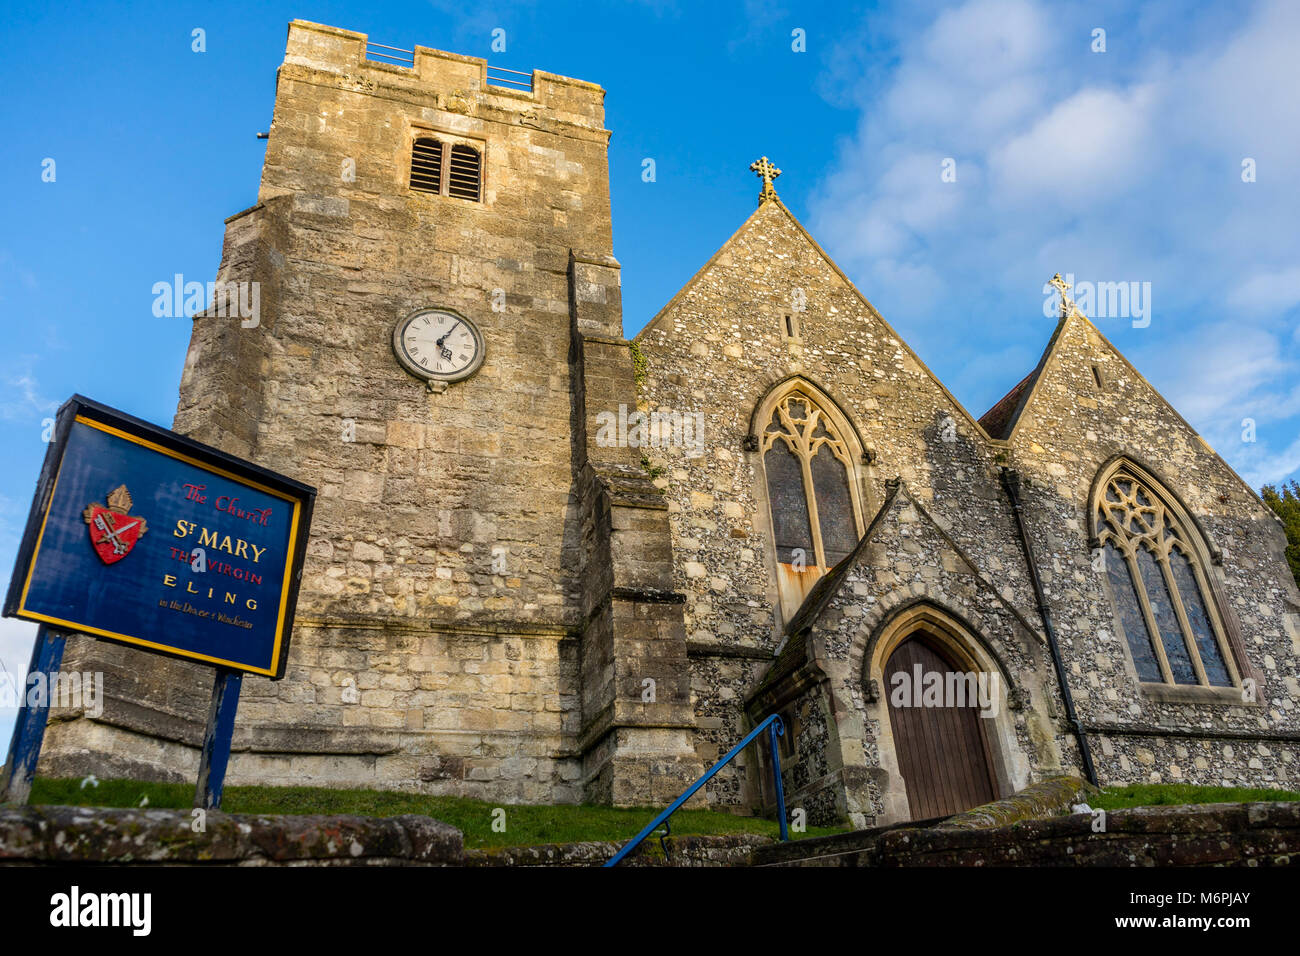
718	348
1069	429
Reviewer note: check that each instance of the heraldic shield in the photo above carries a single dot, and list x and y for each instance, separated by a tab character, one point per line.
113	532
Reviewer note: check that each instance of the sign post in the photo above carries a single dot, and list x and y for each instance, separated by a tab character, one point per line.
216	739
33	715
142	537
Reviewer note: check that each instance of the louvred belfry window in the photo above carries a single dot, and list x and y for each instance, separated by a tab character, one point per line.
426	166
447	169
1157	579
808	471
464	173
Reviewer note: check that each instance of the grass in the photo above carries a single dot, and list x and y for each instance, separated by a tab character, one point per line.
525	825
1179	794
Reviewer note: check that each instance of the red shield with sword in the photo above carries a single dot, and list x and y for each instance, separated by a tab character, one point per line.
113	532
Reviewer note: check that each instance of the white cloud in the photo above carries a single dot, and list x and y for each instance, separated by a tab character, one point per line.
1258	466
1122	166
20	396
988	40
1222	369
1243	96
1235	383
1268	292
1092	143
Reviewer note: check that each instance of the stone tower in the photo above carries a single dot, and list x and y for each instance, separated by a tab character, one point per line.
487	606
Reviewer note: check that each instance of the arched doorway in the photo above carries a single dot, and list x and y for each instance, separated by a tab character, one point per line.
943	753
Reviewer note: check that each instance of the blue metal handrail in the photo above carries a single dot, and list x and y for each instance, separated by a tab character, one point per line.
775	729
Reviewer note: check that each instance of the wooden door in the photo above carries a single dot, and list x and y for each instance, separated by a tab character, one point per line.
942	751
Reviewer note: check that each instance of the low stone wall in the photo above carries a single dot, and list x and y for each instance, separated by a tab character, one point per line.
737	850
1213	834
46	835
839	849
1224	834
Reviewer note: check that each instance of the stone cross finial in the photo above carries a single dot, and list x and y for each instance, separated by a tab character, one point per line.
768	172
1061	286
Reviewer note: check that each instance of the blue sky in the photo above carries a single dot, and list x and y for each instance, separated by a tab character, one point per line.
1116	166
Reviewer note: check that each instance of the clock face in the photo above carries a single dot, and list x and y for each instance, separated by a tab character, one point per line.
438	345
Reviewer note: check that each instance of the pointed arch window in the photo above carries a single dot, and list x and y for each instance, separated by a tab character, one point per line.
1158	581
811	488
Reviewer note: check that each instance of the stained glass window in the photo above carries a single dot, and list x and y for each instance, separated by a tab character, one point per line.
1173	631
789	504
834	505
1162	606
1199	620
1130	615
809	478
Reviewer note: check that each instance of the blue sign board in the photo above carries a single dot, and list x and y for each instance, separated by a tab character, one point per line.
141	536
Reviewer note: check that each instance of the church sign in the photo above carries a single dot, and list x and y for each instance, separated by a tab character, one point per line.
140	536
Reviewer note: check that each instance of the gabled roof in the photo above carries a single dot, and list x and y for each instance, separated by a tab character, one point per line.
1000	420
997	421
834	268
1006	415
824	591
794	652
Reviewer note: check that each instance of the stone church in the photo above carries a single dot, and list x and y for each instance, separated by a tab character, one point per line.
552	565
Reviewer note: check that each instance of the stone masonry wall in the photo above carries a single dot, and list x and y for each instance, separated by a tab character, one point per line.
717	349
1067	431
906	560
418	660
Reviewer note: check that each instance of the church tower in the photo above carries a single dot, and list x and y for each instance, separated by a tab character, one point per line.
487	607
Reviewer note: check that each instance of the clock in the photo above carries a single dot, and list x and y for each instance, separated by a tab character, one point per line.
438	345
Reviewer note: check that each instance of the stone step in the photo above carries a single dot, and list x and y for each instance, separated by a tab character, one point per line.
840	849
